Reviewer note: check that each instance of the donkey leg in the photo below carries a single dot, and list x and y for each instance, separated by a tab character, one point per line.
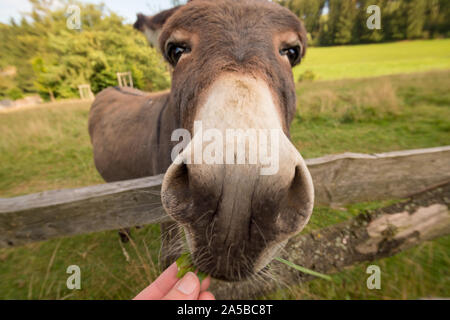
172	243
125	235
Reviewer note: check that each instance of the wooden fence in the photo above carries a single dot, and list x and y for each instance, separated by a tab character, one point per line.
338	180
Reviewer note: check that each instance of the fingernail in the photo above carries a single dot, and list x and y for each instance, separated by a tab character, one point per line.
187	284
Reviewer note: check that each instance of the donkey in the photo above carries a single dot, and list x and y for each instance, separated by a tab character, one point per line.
232	68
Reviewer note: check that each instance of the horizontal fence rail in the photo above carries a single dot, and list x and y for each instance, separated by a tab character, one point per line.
338	180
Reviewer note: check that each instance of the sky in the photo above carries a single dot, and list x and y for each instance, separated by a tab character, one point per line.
125	8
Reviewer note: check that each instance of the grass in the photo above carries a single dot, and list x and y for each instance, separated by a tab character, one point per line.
303	269
111	270
373	115
48	147
420	272
45	148
361	61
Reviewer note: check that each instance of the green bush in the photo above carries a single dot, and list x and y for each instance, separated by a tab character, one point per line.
53	60
308	75
15	93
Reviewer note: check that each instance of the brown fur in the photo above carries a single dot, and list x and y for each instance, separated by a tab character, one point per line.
131	131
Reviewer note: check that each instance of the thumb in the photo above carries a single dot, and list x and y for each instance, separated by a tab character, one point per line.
188	288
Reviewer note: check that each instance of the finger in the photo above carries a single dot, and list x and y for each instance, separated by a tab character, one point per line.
206	296
161	286
205	284
188	288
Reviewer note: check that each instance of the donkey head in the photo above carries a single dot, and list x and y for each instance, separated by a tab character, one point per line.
232	69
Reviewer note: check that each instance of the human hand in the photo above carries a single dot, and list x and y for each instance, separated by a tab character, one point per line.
169	287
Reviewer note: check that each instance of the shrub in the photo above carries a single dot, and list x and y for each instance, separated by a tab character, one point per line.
308	75
15	93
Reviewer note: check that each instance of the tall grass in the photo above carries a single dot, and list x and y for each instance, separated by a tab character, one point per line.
45	147
373	114
350	104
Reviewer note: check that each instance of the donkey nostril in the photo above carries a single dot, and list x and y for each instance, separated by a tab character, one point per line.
176	180
181	175
300	189
297	207
175	192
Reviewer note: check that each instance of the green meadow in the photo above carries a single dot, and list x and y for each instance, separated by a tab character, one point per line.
361	61
367	99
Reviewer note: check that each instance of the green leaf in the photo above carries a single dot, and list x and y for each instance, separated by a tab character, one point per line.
185	264
202	276
304	270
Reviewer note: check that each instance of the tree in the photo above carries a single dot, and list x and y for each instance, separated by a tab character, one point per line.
394	20
309	11
53	60
415	18
341	20
344	21
324	37
361	33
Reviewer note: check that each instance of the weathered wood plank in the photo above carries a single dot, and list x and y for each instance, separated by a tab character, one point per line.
374	235
352	177
60	213
338	179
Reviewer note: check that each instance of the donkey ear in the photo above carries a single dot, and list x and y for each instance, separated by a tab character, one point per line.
151	26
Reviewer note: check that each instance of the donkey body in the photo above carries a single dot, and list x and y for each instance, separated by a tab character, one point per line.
130	133
232	65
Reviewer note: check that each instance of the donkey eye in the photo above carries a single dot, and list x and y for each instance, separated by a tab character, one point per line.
293	54
175	51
